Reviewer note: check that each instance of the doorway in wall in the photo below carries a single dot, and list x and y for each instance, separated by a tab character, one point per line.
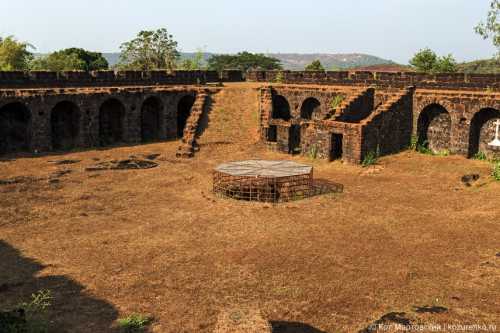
336	150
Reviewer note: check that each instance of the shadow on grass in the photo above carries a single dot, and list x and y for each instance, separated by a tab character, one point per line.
72	309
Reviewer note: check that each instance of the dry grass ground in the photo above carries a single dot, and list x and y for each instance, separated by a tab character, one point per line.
110	243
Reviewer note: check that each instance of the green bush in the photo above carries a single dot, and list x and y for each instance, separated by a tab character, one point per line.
35	314
371	158
134	323
413	143
336	101
496	171
480	156
313	152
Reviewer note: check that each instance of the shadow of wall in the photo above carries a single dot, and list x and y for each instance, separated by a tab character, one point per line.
72	309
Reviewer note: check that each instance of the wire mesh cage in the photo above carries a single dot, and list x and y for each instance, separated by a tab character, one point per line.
263	181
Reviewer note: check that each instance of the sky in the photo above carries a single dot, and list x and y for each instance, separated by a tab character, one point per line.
391	29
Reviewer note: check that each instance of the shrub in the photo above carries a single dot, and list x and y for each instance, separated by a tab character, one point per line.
371	158
336	101
480	156
414	142
496	171
313	152
36	312
134	323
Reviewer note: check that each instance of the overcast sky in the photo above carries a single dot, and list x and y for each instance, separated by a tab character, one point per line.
392	29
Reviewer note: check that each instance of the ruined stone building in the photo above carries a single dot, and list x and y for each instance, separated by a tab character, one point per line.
331	115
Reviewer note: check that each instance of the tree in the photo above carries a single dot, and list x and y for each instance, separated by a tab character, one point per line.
315	66
149	50
491	28
424	60
243	61
94	61
427	61
58	62
445	64
14	55
196	63
70	60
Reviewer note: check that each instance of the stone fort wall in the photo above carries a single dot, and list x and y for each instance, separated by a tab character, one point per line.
333	115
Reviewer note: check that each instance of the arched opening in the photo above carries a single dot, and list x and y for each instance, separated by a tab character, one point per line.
111	122
434	128
14	128
310	107
65	126
150	119
183	112
281	108
482	131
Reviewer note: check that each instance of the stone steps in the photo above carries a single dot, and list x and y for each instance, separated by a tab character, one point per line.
188	143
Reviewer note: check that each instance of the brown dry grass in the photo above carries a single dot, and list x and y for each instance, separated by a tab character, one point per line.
157	242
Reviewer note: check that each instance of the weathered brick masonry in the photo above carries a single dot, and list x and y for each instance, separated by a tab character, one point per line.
331	115
378	112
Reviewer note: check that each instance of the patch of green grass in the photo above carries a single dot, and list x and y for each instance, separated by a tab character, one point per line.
480	156
371	158
313	152
413	143
336	101
35	312
134	323
496	171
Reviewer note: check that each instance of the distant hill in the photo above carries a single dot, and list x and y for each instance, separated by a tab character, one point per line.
297	61
487	66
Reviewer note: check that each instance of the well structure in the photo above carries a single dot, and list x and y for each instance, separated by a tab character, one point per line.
263	180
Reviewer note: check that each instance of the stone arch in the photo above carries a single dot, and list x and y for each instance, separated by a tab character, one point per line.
183	112
281	108
434	127
65	125
150	119
15	123
482	131
310	107
111	122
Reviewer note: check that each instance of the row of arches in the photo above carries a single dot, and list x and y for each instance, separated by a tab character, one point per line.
281	108
434	129
66	123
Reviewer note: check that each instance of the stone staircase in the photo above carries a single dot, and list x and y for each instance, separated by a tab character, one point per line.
351	101
388	105
188	143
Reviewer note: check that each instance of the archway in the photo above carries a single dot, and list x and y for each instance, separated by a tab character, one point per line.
65	125
15	121
482	131
111	122
310	107
150	119
183	113
281	108
434	128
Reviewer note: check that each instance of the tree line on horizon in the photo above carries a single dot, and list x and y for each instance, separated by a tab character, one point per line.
157	49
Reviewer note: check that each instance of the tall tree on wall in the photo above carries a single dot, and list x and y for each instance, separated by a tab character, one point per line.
15	55
148	51
491	28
